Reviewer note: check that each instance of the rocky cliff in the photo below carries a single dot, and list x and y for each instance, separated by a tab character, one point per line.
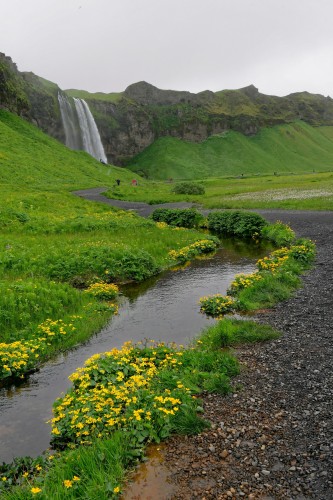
133	120
31	97
128	122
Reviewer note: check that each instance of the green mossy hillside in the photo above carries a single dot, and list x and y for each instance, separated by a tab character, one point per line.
295	148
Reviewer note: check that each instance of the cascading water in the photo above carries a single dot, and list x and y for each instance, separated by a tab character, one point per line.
90	136
70	122
80	128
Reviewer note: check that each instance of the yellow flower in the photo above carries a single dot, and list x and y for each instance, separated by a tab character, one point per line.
116	489
75	478
34	491
68	483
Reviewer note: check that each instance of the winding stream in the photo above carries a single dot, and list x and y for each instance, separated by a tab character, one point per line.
164	308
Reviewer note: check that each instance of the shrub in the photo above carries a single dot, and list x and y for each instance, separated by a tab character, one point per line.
237	223
187	217
279	234
188	188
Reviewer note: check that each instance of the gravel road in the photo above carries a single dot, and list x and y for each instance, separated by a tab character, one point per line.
273	437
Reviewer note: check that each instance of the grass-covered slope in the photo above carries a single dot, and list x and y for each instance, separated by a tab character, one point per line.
296	148
28	157
53	244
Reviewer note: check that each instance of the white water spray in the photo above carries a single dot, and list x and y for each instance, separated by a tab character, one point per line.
80	128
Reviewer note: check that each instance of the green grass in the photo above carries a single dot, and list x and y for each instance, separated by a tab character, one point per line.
295	148
157	388
52	240
313	191
97	96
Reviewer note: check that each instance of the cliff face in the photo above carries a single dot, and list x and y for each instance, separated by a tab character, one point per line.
130	121
44	107
31	97
143	113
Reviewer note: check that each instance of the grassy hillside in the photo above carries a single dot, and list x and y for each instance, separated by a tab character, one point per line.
296	148
97	96
52	242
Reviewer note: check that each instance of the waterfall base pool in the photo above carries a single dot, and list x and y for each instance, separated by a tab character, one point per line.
164	308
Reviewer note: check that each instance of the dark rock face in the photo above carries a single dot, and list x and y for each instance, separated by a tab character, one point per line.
44	111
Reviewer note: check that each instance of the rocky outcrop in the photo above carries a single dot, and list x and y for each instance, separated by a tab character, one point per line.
12	91
31	97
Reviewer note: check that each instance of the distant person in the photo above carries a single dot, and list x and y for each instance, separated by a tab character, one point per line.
134	182
118	182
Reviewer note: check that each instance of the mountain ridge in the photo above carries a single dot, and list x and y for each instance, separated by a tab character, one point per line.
132	120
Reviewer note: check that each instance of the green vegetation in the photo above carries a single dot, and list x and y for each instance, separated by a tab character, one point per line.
97	96
188	188
295	148
275	280
177	217
53	244
236	223
303	192
120	401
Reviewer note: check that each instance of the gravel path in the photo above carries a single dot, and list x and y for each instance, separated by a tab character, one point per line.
273	437
143	209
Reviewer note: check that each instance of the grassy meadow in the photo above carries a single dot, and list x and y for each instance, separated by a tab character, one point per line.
57	251
313	191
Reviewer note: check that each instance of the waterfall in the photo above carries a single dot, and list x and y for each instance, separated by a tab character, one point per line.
80	128
70	122
90	136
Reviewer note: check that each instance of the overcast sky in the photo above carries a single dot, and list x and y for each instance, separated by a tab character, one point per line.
280	46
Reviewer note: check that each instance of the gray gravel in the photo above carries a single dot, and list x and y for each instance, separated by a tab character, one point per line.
273	438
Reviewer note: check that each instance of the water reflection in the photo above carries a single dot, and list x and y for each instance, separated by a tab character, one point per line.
163	308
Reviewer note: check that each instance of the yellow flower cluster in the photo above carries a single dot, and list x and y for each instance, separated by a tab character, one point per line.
161	225
191	251
271	263
242	281
102	290
217	305
16	358
113	391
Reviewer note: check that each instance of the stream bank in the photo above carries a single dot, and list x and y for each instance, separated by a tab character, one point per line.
272	438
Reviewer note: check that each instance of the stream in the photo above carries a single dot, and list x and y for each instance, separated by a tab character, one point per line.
164	308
